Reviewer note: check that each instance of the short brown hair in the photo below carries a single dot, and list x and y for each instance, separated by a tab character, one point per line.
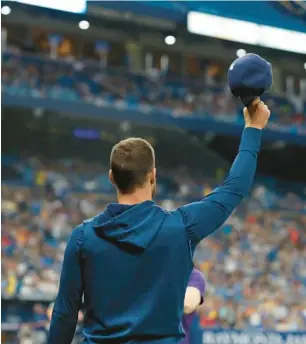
131	160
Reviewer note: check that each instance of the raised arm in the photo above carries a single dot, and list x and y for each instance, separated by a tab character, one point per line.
204	217
69	298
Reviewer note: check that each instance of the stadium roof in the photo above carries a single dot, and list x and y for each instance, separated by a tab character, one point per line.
291	16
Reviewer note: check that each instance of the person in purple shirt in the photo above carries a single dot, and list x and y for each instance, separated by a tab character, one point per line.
194	296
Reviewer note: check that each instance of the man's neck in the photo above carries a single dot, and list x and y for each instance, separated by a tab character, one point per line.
138	196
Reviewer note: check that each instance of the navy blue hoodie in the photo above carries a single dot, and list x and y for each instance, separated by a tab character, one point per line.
133	263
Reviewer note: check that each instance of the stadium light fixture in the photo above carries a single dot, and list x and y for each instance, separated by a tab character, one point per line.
6	10
84	25
170	40
246	32
240	52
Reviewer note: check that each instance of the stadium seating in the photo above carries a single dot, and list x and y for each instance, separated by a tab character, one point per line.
38	77
254	265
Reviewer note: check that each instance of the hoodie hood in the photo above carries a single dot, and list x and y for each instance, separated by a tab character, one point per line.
135	225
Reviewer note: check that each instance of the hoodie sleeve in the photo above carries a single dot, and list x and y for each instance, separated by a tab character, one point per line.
69	298
204	217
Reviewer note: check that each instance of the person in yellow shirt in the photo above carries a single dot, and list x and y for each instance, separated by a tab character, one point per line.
11	284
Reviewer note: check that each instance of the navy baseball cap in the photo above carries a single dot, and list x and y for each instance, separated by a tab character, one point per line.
249	77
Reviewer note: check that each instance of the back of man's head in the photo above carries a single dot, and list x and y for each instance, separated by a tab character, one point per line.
131	162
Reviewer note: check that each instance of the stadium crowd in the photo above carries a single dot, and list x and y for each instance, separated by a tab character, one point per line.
42	77
255	265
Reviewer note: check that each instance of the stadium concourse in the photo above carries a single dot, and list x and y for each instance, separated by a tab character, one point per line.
70	93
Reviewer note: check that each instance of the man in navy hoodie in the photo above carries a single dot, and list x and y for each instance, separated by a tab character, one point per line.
133	261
